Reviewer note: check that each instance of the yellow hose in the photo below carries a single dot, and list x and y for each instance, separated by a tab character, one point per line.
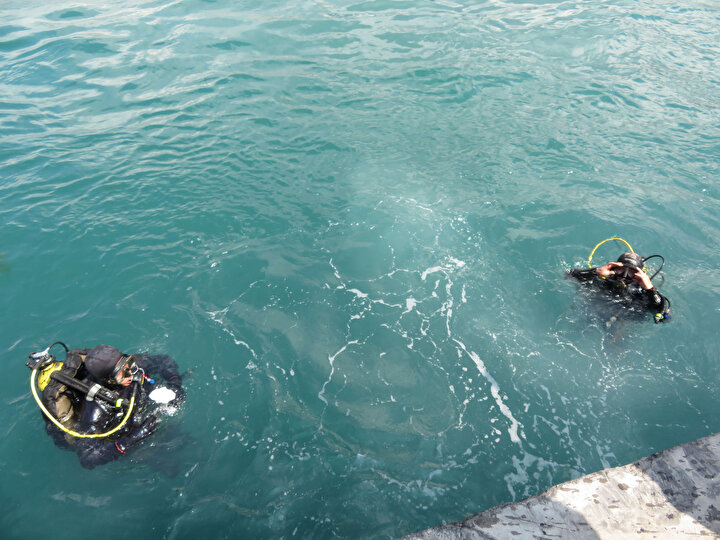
601	243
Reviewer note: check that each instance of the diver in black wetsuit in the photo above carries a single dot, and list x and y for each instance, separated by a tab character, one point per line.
626	280
96	402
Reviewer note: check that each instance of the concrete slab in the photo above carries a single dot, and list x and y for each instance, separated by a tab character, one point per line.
672	494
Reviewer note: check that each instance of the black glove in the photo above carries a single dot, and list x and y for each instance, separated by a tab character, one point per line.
138	433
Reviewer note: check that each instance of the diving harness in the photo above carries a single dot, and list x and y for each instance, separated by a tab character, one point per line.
46	369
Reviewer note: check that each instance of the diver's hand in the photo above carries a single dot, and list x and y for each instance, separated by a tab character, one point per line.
607	270
643	279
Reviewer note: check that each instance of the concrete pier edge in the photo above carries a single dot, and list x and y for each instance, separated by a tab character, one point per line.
674	493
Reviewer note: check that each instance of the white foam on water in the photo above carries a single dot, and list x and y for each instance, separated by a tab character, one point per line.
495	391
447	307
335	270
431	270
358	293
218	317
331	359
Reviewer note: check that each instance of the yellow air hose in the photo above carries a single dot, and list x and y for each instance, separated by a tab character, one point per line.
601	243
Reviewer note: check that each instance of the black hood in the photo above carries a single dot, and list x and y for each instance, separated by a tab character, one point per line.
631	259
101	361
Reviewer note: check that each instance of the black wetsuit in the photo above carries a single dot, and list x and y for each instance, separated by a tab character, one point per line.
632	294
99	417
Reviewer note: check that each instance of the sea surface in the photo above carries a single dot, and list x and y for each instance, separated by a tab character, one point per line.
349	223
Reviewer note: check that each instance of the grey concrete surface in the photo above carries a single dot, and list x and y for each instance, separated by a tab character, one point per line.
673	494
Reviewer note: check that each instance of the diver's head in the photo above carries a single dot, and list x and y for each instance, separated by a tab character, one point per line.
632	260
109	366
631	263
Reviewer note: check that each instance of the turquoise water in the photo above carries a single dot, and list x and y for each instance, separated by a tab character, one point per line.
349	223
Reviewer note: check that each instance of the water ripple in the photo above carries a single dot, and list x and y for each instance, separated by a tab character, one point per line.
348	222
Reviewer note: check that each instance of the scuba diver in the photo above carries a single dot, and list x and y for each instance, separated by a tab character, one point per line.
626	279
97	402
